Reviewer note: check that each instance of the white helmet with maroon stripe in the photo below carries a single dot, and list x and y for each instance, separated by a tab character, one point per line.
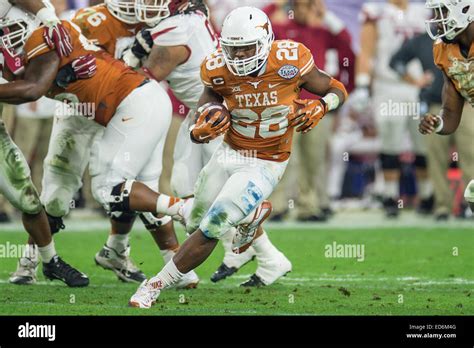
246	29
15	29
153	12
123	10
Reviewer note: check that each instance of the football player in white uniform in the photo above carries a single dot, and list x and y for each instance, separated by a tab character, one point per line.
15	180
385	27
173	50
259	79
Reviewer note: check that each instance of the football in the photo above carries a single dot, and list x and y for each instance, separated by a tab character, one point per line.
213	109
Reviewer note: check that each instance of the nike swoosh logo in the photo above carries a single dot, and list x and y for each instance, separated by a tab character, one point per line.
273	85
126	119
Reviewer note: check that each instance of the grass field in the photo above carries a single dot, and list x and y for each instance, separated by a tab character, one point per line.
406	271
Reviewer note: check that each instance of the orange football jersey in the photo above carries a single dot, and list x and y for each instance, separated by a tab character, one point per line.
260	105
459	69
103	29
112	83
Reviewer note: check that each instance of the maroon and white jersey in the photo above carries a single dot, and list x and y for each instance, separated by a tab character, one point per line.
394	26
194	31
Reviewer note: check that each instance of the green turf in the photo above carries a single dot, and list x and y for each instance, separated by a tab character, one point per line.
405	272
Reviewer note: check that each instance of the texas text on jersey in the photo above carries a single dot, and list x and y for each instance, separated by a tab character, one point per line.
112	83
260	105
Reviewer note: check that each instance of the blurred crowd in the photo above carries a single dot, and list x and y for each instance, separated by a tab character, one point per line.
367	155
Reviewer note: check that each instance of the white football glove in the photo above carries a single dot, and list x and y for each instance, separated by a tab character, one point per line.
131	59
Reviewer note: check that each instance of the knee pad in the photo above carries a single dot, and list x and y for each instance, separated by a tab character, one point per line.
390	161
151	222
220	219
125	217
29	201
57	202
118	198
420	162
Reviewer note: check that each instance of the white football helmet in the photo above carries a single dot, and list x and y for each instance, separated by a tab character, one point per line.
453	16
123	10
153	12
15	29
5	6
246	27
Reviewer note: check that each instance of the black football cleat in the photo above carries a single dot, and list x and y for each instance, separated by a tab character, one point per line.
60	270
391	208
253	282
223	272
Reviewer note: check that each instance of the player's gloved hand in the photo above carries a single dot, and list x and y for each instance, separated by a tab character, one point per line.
309	115
131	59
55	34
205	131
58	38
143	44
429	124
83	67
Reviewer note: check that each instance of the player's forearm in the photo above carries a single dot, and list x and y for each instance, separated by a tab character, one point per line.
20	92
450	121
365	57
209	96
33	6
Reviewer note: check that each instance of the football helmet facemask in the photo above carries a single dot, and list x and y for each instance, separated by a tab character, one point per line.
153	12
452	17
123	10
246	29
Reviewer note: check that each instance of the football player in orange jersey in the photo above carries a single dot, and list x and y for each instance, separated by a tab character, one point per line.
134	111
453	30
112	27
259	79
17	187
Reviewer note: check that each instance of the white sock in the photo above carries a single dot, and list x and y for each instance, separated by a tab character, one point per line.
263	246
47	252
31	252
167	254
392	189
425	188
168	205
168	276
118	242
